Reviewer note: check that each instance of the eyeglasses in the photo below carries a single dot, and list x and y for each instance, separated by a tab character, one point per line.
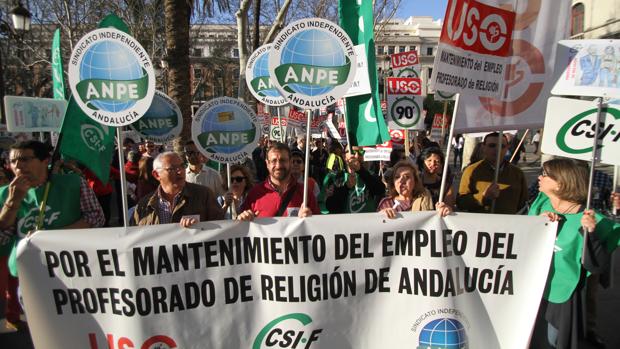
545	174
275	161
175	169
237	179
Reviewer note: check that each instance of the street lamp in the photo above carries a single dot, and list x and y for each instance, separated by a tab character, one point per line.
21	19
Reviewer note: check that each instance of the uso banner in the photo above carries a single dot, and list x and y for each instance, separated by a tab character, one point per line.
338	281
539	25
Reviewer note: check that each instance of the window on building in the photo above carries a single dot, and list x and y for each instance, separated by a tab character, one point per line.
390	50
412	48
402	49
429	51
235	53
380	50
197	73
197	52
577	16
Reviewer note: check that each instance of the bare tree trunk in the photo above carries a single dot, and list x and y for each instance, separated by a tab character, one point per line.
256	39
69	26
242	29
177	15
278	24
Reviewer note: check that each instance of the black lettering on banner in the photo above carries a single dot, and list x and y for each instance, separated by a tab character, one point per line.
455	281
72	263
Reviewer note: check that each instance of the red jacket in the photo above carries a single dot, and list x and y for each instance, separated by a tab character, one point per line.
264	198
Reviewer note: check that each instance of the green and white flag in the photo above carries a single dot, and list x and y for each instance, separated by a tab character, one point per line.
57	75
84	139
365	122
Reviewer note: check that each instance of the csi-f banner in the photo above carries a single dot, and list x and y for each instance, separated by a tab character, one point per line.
539	25
405	103
111	77
589	68
226	130
58	78
312	63
30	114
337	281
364	118
473	49
569	130
162	122
406	65
258	79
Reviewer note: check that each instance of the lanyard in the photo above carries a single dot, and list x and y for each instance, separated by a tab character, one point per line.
42	206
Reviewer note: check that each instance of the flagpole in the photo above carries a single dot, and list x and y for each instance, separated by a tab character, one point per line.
346	127
121	165
615	210
591	179
444	175
406	142
519	145
282	135
307	160
232	212
498	162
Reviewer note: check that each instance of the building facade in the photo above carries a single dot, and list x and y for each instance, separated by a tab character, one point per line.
595	19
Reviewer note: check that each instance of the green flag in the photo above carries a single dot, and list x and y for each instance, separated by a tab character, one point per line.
84	139
365	122
57	75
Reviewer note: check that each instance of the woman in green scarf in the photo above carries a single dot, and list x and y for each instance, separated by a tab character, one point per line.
563	193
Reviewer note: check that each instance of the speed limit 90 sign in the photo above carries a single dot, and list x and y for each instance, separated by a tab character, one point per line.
404	103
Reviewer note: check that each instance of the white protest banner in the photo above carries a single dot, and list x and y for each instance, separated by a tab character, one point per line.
406	65
277	130
296	118
404	103
30	114
312	63
322	281
538	27
380	152
226	130
569	130
473	59
361	82
589	68
162	122
111	77
258	80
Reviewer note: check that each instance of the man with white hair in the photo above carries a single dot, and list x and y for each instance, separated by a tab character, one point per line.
175	200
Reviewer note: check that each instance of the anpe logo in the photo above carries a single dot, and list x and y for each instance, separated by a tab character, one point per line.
288	331
474	26
155	342
583	125
111	77
444	333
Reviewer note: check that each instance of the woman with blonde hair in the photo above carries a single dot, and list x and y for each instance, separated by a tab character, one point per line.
563	194
407	193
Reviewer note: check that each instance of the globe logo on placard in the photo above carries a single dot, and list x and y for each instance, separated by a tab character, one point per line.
314	48
162	121
445	333
258	79
111	77
225	130
312	63
109	61
262	69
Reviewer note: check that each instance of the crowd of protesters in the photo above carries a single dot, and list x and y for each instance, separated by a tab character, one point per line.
184	188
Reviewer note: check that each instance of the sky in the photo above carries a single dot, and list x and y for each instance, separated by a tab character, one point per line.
434	8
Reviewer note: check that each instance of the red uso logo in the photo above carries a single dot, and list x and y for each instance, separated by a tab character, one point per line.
398	136
477	27
404	86
158	341
404	59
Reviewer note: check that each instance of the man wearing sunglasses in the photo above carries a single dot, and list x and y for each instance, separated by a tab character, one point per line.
198	173
478	188
175	200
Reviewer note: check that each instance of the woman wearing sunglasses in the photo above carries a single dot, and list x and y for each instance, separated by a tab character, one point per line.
406	193
240	183
563	193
